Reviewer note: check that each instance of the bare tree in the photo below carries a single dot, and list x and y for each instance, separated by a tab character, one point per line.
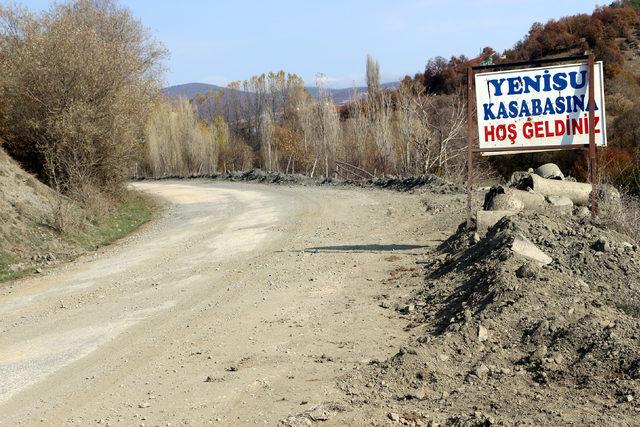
266	138
178	144
373	78
327	127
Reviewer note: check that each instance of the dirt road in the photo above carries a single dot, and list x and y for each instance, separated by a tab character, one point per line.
240	305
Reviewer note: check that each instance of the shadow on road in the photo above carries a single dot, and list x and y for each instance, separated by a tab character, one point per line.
365	248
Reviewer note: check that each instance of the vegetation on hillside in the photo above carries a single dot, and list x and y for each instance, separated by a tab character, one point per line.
80	85
420	127
281	128
612	33
76	82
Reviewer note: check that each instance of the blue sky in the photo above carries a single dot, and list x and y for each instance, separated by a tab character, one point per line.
220	41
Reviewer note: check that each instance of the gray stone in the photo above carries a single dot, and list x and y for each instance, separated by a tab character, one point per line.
540	353
523	247
527	271
483	333
550	171
560	201
608	194
481	371
582	212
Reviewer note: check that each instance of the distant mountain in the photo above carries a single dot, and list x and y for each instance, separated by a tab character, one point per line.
340	96
189	90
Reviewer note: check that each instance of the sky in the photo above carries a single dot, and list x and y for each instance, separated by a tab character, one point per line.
219	41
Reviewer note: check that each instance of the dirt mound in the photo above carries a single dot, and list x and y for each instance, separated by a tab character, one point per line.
433	182
500	339
428	181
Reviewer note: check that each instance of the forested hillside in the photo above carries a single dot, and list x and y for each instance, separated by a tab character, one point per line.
612	33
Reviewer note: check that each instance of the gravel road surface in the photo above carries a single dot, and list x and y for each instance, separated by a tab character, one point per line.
240	304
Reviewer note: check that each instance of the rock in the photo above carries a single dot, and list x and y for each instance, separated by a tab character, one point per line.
539	353
518	176
550	171
527	271
319	413
418	395
481	371
608	194
560	202
582	212
407	309
393	416
601	245
483	333
487	219
523	247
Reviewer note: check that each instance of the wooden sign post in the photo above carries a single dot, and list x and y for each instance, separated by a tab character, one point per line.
533	106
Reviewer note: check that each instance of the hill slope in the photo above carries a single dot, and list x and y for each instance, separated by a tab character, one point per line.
339	96
32	233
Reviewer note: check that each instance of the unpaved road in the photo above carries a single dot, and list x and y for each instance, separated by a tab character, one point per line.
241	304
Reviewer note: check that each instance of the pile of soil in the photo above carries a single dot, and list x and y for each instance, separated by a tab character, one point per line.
428	181
499	339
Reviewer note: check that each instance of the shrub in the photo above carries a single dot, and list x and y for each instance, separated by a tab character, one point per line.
76	82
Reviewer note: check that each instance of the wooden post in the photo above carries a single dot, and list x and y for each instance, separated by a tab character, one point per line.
593	150
469	147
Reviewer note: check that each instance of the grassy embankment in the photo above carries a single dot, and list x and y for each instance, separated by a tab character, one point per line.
134	210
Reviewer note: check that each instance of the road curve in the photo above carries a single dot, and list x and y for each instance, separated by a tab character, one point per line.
215	312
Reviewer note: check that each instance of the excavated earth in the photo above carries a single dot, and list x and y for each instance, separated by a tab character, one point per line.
497	339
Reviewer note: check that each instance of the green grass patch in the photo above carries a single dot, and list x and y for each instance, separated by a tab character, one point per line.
8	274
135	210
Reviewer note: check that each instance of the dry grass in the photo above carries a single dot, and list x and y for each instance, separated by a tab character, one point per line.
622	215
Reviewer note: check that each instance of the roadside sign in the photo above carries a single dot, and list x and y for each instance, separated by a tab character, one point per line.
541	105
538	107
